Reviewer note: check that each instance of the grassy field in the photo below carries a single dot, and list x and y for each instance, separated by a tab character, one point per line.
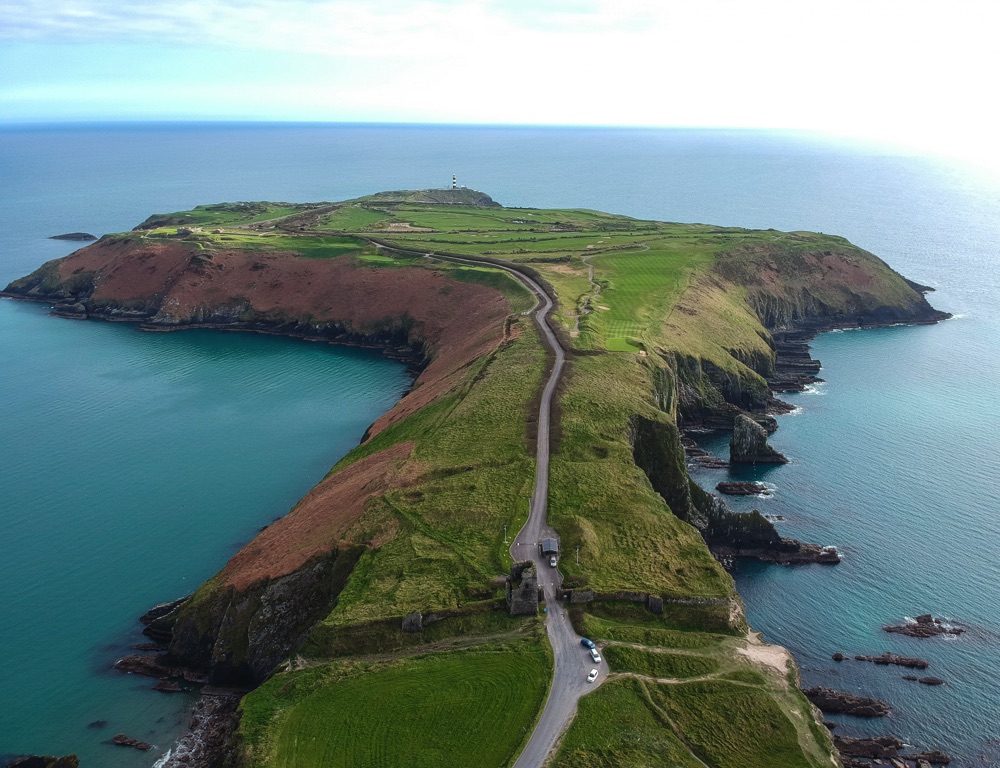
460	708
227	214
351	218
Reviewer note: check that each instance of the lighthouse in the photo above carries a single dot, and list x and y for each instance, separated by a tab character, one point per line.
454	181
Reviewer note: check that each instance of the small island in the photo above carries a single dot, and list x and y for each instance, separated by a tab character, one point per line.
384	611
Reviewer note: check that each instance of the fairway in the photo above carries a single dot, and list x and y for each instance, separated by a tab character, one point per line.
456	709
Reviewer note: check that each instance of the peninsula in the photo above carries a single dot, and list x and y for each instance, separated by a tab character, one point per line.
388	614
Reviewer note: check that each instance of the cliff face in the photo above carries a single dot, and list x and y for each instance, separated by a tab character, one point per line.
823	283
417	313
769	294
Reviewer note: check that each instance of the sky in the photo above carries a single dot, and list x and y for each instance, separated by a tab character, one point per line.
915	73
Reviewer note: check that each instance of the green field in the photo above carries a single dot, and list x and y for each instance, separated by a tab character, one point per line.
351	218
659	664
472	707
617	727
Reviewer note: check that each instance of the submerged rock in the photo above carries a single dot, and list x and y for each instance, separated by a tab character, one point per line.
168	686
741	488
127	741
749	444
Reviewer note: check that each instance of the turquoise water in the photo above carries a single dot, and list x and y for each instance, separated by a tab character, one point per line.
893	457
134	465
892	461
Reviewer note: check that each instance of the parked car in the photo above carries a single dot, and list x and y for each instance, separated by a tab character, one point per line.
587	643
592	676
553	561
595	655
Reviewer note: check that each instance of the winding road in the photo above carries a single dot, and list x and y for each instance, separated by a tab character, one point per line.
571	660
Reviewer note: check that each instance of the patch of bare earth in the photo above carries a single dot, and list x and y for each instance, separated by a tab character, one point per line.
759	652
565	269
318	522
404	226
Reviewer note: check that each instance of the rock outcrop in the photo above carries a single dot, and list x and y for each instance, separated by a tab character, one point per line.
880	747
911	662
749	444
209	731
657	450
923	626
82	237
44	761
829	700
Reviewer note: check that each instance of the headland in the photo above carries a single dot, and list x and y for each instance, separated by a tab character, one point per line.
377	609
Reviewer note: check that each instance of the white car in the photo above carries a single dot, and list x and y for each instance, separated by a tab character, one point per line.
592	676
595	655
552	561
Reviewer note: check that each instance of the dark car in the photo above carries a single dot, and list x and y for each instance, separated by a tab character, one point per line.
587	643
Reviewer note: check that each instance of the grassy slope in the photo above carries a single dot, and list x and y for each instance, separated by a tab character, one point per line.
725	709
439	538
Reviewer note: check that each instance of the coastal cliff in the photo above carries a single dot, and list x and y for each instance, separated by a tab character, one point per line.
397	547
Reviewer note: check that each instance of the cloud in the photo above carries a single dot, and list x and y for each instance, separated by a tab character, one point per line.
912	70
335	27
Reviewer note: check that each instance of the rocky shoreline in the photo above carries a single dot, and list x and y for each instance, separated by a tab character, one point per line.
885	750
410	352
841	702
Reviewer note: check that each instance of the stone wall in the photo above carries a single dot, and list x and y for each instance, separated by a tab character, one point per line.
522	589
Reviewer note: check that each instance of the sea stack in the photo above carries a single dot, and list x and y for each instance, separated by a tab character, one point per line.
749	444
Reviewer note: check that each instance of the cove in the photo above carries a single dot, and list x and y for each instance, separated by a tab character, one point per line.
132	466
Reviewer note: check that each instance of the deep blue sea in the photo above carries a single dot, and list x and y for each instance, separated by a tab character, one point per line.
133	465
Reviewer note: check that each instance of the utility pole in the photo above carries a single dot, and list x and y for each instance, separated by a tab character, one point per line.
505	533
577	554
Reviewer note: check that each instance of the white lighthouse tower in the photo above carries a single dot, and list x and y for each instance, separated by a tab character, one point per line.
454	181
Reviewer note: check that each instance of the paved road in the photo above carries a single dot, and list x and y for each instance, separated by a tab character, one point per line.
572	660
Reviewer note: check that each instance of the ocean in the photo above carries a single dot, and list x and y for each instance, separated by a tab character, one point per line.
133	465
